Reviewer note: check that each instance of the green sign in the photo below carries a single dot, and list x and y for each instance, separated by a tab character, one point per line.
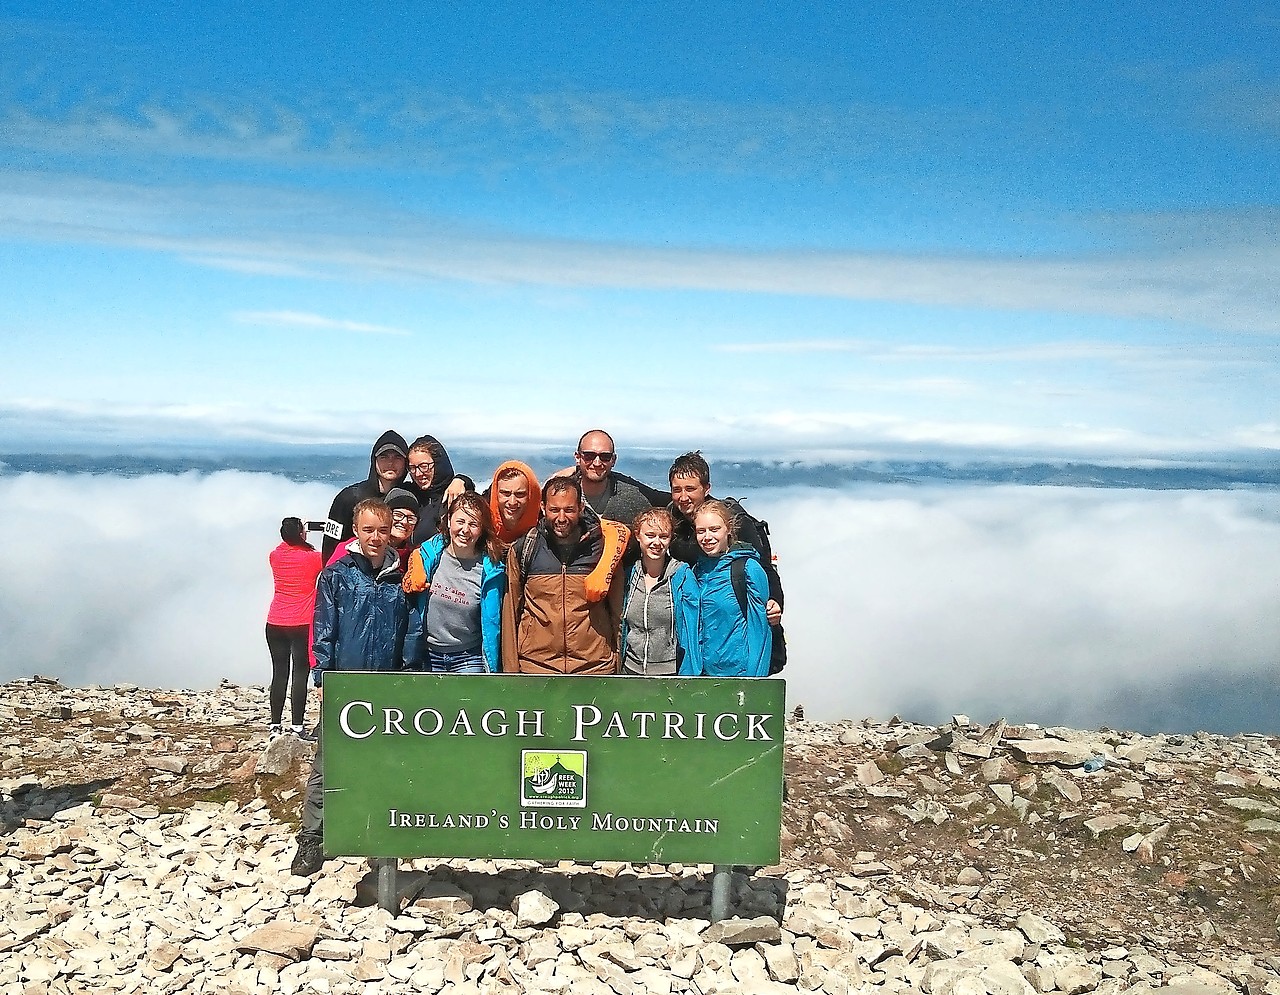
545	768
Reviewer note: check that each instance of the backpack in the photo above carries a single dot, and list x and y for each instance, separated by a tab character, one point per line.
738	577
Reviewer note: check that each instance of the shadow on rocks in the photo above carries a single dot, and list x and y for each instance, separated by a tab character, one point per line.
32	801
443	890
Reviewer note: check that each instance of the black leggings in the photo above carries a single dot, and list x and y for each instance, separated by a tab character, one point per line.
284	641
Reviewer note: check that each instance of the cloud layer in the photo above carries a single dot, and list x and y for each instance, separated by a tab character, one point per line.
47	426
1041	604
1131	608
1229	285
161	580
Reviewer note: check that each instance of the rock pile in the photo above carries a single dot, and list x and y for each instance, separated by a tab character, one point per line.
147	836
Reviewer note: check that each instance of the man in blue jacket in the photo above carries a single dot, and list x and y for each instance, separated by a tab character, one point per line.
360	622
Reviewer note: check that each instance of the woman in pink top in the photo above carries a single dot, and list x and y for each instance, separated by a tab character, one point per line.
295	564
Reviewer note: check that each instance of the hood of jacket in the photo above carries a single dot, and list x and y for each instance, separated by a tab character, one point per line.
387	570
531	510
386	438
738	551
444	472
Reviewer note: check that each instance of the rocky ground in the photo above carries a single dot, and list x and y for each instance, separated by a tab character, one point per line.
145	838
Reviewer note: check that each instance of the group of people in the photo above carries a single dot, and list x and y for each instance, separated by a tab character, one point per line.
589	573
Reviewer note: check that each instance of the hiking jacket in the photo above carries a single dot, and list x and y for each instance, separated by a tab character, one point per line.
344	547
727	644
340	526
417	584
294	570
684	616
561	616
361	616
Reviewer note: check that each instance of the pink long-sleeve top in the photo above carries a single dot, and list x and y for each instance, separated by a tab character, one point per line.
295	569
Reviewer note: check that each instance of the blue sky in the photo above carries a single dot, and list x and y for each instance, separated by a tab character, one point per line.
1049	230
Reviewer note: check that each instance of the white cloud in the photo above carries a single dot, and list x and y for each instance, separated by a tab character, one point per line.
1260	353
1262	436
437	132
798	346
256	267
36	425
301	319
1230	286
160	580
1042	604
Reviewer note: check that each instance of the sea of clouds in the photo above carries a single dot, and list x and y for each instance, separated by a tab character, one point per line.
1134	609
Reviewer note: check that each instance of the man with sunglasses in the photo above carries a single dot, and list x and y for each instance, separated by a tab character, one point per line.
611	495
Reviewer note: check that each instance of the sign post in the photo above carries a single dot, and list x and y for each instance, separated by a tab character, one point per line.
658	770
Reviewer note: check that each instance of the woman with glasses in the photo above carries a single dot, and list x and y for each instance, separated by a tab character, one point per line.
455	582
433	483
404	519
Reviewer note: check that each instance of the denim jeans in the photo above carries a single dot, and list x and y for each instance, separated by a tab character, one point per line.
466	662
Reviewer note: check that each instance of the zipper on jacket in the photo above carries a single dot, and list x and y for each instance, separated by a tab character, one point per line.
564	612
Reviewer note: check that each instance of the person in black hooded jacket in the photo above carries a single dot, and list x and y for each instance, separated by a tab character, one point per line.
432	481
388	461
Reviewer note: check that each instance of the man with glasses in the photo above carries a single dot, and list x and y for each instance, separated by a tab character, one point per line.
611	495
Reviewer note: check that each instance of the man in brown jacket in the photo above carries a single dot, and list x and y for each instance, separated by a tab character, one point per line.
564	595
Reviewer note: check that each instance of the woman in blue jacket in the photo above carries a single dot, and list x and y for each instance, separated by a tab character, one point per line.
733	631
455	582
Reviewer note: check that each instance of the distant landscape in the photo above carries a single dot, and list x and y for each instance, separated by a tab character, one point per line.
340	466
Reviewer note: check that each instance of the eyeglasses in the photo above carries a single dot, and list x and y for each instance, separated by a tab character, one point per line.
403	516
589	457
421	467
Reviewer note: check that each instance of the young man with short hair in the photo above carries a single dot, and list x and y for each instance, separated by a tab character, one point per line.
564	591
388	460
404	519
360	624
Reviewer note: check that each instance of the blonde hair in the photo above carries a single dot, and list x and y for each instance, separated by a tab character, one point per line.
376	507
721	510
659	515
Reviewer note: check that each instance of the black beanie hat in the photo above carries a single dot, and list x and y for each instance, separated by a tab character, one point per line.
398	497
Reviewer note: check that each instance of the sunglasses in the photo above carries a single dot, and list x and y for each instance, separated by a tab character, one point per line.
589	457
